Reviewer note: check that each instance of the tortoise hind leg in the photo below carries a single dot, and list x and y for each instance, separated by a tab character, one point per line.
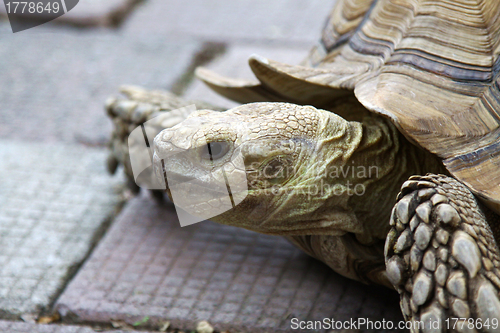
442	258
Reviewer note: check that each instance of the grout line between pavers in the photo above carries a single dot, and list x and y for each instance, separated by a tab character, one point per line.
74	269
208	52
248	41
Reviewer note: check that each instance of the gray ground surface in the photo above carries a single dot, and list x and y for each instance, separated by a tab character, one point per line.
279	21
20	327
234	63
54	82
236	279
54	201
55	195
92	12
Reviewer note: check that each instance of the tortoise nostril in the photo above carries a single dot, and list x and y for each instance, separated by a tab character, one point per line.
164	149
166	135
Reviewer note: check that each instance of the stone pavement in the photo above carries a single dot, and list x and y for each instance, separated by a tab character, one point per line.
55	82
279	21
56	201
234	64
236	279
99	12
93	12
20	327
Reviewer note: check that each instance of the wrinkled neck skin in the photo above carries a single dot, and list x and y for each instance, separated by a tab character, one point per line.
337	205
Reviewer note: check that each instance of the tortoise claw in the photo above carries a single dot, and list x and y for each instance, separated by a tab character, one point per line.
442	258
139	107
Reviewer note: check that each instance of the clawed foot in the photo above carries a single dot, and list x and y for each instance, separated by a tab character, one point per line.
155	109
442	258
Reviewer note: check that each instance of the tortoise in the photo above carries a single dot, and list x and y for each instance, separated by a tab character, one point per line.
408	88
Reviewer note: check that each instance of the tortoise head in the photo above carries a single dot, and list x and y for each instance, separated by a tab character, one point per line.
262	166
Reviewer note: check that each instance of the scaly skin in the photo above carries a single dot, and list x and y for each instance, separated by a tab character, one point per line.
440	252
326	183
139	106
442	257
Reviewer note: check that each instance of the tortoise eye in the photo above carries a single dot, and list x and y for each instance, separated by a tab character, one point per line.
214	150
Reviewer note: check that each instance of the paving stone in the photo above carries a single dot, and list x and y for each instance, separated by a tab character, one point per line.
93	12
54	200
285	21
21	327
99	12
238	280
234	63
55	81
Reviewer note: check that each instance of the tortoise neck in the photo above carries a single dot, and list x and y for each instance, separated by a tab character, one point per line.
389	159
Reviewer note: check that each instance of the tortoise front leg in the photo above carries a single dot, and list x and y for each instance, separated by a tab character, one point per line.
442	258
141	106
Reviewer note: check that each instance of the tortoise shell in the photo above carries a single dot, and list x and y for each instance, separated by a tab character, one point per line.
431	66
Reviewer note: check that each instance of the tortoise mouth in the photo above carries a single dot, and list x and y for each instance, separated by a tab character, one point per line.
164	176
195	195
